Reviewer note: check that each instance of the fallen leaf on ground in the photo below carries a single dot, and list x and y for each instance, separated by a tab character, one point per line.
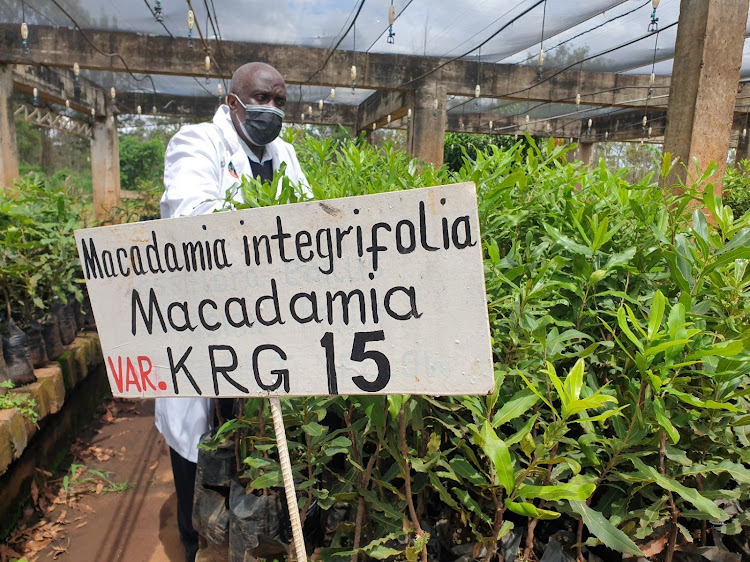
153	465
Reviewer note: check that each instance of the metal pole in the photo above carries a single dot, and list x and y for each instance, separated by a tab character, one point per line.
286	474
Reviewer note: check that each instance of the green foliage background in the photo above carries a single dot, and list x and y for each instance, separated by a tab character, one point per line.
141	162
619	319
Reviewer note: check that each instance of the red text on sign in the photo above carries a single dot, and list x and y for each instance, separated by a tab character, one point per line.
132	378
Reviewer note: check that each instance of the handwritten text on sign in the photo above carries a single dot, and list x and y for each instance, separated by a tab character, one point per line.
376	294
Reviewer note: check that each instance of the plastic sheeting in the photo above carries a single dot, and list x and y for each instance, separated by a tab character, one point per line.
566	31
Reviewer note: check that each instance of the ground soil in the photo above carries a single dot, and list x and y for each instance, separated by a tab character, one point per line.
120	503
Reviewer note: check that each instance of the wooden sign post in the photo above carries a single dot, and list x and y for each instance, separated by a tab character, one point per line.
379	294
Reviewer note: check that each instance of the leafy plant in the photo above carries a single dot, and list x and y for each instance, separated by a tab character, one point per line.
23	402
737	187
141	162
619	315
38	257
81	478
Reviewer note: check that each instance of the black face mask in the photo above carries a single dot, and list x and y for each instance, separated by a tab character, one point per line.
262	123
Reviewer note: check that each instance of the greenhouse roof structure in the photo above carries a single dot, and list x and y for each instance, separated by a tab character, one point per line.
595	70
614	36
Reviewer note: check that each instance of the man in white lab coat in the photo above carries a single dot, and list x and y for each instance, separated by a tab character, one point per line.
201	163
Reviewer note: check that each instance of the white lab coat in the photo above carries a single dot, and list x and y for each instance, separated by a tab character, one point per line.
202	162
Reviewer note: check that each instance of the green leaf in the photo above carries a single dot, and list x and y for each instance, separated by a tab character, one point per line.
657	313
661	417
374	408
530	510
595	401
558	384
622	321
395	402
689	494
566	491
497	451
268	479
442	491
603	530
723	349
574	380
381	552
313	429
567	242
664	346
471	504
738	472
466	470
505	528
518	405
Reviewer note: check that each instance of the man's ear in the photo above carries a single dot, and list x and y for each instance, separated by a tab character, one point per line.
231	101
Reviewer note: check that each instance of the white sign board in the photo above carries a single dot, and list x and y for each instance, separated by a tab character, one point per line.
376	294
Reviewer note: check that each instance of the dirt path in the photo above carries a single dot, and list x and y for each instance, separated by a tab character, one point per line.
120	503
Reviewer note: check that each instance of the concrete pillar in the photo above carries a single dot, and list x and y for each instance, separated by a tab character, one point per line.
8	147
426	136
105	165
703	90
587	152
743	149
46	142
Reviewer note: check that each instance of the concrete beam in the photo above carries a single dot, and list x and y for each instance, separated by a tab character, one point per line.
511	125
157	54
379	106
624	126
203	108
708	54
332	114
57	87
8	147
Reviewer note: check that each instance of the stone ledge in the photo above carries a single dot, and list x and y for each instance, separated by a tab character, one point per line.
82	356
13	433
54	386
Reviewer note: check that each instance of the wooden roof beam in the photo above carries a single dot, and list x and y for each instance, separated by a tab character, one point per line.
157	54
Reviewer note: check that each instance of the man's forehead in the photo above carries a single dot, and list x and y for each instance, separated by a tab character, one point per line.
263	78
265	83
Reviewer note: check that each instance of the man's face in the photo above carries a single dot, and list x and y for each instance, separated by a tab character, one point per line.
261	86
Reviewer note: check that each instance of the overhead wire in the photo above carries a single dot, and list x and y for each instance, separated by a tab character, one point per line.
386	28
346	22
544	79
585	59
571	65
646	3
161	21
23	2
164	25
495	34
206	46
217	34
493	22
330	54
101	52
